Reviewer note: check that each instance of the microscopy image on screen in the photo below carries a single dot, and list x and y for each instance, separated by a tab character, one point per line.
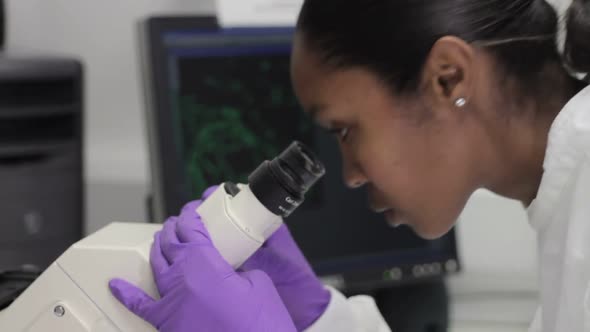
234	113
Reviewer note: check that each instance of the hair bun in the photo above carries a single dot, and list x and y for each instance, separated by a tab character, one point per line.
577	43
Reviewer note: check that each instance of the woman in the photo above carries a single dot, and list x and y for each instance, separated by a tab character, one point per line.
430	100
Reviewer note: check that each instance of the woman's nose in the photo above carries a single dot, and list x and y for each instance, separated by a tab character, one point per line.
353	174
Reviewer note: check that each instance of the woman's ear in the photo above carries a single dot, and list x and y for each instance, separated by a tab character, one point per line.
448	71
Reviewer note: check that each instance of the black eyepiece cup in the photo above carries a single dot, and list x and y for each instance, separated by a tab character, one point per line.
280	185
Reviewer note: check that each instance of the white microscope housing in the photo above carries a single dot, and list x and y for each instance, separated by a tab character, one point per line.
72	295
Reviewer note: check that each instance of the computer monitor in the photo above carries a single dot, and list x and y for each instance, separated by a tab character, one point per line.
220	102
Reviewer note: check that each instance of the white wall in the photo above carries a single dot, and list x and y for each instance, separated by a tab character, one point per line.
495	239
104	35
497	245
498	249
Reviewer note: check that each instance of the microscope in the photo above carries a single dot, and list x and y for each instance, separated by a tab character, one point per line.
72	295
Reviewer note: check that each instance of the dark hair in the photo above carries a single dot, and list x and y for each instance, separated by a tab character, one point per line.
577	46
393	38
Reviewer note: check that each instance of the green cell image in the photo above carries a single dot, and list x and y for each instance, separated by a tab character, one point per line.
233	113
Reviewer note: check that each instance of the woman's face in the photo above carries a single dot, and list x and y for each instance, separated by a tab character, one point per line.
415	162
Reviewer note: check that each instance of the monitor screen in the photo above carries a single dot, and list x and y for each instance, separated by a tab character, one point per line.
222	103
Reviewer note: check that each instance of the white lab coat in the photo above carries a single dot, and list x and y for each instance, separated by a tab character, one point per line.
355	314
561	216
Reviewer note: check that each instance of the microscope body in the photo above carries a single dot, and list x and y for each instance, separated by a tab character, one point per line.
72	295
237	222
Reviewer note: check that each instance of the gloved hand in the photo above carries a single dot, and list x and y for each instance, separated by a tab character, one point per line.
300	289
199	290
302	292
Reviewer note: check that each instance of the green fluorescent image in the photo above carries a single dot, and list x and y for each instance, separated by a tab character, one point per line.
232	114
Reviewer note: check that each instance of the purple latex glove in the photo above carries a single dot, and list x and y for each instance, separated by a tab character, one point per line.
199	290
300	289
302	292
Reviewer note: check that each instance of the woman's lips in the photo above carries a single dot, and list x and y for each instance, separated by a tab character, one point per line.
393	218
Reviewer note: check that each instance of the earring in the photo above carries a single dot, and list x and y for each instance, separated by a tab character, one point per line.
460	102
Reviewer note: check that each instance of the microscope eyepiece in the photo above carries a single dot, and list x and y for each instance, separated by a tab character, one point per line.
280	185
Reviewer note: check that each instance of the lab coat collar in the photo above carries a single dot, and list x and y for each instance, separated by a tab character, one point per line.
568	144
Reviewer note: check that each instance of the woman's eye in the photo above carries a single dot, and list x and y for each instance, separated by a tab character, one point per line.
340	133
